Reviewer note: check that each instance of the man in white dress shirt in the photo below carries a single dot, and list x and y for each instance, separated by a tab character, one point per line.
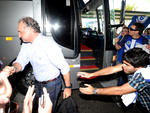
46	58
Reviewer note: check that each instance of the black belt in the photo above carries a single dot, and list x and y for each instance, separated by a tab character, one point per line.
45	82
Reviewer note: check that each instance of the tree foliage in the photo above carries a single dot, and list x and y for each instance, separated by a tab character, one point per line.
131	8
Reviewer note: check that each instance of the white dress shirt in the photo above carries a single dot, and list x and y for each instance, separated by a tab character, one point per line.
45	56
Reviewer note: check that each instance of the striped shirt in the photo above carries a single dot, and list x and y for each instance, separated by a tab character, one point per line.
141	82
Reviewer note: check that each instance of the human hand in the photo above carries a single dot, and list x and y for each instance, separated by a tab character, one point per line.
5	89
85	75
87	90
45	104
67	93
9	70
28	101
148	46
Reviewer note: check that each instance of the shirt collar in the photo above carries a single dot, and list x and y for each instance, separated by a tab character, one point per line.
37	38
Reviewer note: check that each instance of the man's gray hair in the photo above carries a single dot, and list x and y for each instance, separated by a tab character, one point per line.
30	22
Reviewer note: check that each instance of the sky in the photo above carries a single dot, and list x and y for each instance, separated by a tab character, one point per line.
140	5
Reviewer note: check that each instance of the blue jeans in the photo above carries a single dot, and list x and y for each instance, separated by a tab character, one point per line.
53	88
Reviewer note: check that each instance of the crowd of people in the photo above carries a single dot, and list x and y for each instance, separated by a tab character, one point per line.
136	65
50	67
133	58
128	39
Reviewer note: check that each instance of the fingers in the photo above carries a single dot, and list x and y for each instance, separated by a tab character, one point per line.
85	86
85	75
45	91
8	70
82	74
47	100
45	104
29	94
4	99
40	104
88	90
67	93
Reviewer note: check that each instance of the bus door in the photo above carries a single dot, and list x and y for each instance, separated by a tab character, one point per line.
98	24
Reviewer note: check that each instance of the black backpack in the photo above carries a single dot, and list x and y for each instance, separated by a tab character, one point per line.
68	105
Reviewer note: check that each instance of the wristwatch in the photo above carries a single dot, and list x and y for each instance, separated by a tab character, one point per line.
95	91
69	86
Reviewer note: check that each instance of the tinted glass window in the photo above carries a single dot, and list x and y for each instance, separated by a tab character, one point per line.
59	21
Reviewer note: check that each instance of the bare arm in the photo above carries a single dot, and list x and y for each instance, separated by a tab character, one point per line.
67	91
117	46
28	100
5	89
105	71
16	67
116	90
45	106
109	70
67	79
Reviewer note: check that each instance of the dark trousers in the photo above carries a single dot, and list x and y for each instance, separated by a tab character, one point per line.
53	88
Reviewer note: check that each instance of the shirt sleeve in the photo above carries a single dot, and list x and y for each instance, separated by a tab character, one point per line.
22	58
138	82
56	56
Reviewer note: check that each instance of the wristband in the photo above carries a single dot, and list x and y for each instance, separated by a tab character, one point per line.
95	91
68	86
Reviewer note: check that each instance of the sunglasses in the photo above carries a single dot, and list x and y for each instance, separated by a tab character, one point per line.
131	29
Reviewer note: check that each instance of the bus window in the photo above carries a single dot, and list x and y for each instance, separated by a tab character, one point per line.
61	21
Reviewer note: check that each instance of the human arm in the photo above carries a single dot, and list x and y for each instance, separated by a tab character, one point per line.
105	71
20	62
122	41
16	67
28	101
67	91
45	105
117	46
5	89
116	90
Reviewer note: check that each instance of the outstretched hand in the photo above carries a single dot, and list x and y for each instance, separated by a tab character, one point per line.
28	101
9	70
45	104
85	75
87	90
5	89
